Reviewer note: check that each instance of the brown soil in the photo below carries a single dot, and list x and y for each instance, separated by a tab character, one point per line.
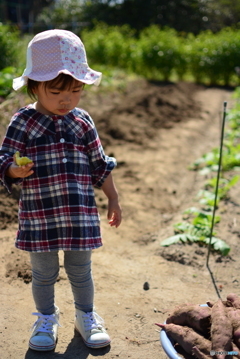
155	130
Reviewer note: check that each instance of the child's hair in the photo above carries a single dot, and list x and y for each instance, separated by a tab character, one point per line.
62	82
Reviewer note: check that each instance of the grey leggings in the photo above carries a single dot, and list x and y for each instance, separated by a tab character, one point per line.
45	269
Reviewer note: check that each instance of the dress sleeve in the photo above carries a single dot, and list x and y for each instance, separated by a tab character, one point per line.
100	164
14	140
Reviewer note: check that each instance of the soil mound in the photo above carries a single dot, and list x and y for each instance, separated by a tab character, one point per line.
144	107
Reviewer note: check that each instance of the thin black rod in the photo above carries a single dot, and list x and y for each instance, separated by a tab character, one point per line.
218	176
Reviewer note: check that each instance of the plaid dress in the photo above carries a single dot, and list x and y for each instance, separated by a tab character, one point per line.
57	209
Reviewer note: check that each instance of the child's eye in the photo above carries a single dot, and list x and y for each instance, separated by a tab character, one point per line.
78	89
55	93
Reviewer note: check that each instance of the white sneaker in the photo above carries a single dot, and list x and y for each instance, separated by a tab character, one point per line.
90	326
44	331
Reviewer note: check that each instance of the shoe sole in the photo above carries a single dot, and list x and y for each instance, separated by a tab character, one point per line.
91	345
41	348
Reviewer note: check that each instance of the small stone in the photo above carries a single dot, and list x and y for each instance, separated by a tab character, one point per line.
146	286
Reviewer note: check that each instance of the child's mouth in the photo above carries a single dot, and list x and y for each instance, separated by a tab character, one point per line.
63	110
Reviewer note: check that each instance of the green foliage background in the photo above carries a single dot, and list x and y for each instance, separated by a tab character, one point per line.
165	54
8	45
154	53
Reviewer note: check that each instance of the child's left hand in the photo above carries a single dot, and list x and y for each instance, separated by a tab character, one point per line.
114	213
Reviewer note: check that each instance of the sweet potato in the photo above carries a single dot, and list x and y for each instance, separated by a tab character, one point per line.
236	350
234	316
226	303
210	303
21	161
221	330
199	354
193	316
234	299
186	324
187	338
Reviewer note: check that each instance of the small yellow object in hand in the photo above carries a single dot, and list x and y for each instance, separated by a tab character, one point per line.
21	161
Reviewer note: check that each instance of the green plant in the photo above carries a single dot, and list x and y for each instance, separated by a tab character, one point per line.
109	45
214	57
207	196
159	52
6	78
209	161
199	230
8	46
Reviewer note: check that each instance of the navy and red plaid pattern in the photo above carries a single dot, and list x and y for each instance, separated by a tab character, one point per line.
57	208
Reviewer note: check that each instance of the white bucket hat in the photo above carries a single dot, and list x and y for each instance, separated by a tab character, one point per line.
53	52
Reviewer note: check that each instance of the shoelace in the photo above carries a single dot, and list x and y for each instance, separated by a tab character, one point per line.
45	322
92	321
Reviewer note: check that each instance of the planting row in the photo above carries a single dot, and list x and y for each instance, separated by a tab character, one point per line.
198	223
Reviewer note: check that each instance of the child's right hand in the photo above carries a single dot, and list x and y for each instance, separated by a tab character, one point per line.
114	213
15	171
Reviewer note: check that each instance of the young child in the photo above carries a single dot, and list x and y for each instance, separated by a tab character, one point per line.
57	209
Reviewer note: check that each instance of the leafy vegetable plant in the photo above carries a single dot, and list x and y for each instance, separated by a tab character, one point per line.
209	161
199	230
207	196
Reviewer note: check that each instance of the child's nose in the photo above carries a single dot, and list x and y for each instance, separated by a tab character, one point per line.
65	99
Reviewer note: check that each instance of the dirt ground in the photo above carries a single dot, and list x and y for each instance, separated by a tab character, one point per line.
155	130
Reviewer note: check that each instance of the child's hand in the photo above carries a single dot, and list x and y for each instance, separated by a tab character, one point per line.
114	213
15	171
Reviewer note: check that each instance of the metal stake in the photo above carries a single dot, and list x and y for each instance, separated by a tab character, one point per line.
218	175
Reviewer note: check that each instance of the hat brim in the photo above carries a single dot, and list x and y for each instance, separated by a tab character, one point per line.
91	77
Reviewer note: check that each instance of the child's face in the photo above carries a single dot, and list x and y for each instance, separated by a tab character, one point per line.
53	101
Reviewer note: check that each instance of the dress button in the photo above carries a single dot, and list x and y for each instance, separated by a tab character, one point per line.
62	140
64	160
59	121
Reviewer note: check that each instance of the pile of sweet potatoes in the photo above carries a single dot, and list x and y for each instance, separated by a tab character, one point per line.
211	331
